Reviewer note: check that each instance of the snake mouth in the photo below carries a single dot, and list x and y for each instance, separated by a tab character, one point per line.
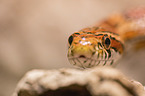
82	56
85	62
85	59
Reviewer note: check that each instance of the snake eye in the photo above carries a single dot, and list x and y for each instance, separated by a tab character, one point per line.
70	40
107	42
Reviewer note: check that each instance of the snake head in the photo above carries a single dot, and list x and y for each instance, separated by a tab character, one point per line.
89	48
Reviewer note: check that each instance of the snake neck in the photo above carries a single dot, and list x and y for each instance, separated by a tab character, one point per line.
130	25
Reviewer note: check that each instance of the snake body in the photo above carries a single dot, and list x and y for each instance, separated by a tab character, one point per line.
104	43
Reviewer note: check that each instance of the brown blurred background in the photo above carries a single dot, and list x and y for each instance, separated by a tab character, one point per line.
33	33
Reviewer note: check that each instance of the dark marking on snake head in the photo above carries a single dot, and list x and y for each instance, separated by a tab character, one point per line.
114	49
89	33
99	35
105	63
112	62
105	55
77	33
105	34
99	44
109	52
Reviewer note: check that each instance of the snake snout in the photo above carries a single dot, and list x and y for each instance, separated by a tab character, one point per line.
82	52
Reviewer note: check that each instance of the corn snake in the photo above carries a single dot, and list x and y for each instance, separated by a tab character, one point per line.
106	42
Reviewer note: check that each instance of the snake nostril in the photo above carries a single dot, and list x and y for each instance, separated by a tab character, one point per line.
82	56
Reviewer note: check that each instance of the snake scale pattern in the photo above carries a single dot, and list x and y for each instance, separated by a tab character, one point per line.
105	43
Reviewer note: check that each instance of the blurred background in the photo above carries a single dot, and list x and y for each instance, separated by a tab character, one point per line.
34	33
